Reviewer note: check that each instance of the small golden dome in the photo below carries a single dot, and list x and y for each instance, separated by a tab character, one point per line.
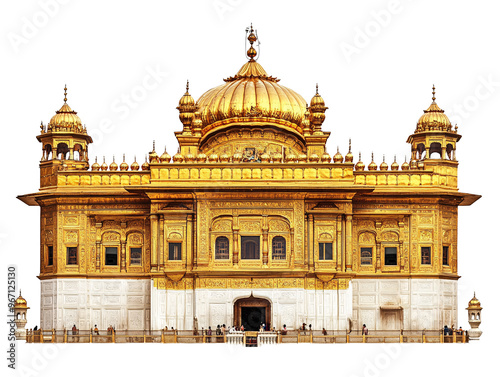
145	165
405	165
372	165
349	157
302	158
326	158
394	165
135	166
213	158
165	157
420	165
186	99
189	158
95	165
434	118
201	158
178	158
153	156
277	157
383	165
337	158
123	165
104	166
113	166
313	158
65	119
317	100
474	303
224	158
360	165
21	302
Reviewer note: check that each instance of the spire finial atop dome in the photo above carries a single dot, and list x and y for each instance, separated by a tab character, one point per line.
433	93
251	52
187	86
317	88
65	93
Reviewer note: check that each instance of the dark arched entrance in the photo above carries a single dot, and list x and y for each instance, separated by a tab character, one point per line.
251	312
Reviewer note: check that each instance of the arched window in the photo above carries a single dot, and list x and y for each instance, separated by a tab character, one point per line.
279	248
435	148
62	151
222	248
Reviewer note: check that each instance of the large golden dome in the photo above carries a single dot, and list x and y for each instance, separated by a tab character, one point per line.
21	302
253	95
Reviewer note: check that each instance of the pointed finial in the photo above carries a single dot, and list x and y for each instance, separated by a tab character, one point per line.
135	158
187	86
21	294
383	158
65	93
251	53
394	158
316	88
359	156
433	93
124	157
372	156
113	158
104	159
349	145
96	159
153	145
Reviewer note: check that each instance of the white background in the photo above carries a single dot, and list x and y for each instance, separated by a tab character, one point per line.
375	62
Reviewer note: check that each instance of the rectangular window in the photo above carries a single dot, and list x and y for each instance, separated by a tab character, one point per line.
391	256
426	254
325	251
50	255
72	253
250	247
174	251
366	255
445	255
111	256
136	256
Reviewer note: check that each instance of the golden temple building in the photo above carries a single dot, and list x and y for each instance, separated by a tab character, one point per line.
252	221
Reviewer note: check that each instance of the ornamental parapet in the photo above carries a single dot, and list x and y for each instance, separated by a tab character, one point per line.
246	172
102	178
437	178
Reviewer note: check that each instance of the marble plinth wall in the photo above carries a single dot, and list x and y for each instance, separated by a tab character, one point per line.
412	304
122	303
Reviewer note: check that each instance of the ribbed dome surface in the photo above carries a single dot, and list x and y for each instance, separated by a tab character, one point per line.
251	93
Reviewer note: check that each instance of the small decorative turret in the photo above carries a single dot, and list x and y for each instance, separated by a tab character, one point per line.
349	157
383	165
360	166
104	166
372	165
123	165
145	165
338	158
20	316
187	107
474	311
165	157
135	166
317	110
113	166
394	165
153	156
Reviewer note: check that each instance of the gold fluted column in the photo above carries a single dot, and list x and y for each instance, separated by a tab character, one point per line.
161	242
292	254
338	243
123	254
154	243
98	246
310	242
265	242
235	245
189	246
348	243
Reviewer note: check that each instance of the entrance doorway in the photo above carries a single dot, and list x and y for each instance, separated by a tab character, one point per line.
252	312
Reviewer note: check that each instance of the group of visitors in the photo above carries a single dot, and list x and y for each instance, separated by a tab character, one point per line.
450	330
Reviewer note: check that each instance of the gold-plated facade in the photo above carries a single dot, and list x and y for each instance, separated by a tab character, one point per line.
251	163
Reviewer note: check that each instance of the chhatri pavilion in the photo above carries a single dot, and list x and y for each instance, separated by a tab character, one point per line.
252	221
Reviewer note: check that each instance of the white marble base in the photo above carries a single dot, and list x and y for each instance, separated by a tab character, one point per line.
425	304
122	303
174	308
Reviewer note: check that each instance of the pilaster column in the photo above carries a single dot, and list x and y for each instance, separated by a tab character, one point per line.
236	248
123	256
310	241
189	241
265	246
348	243
154	243
162	242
